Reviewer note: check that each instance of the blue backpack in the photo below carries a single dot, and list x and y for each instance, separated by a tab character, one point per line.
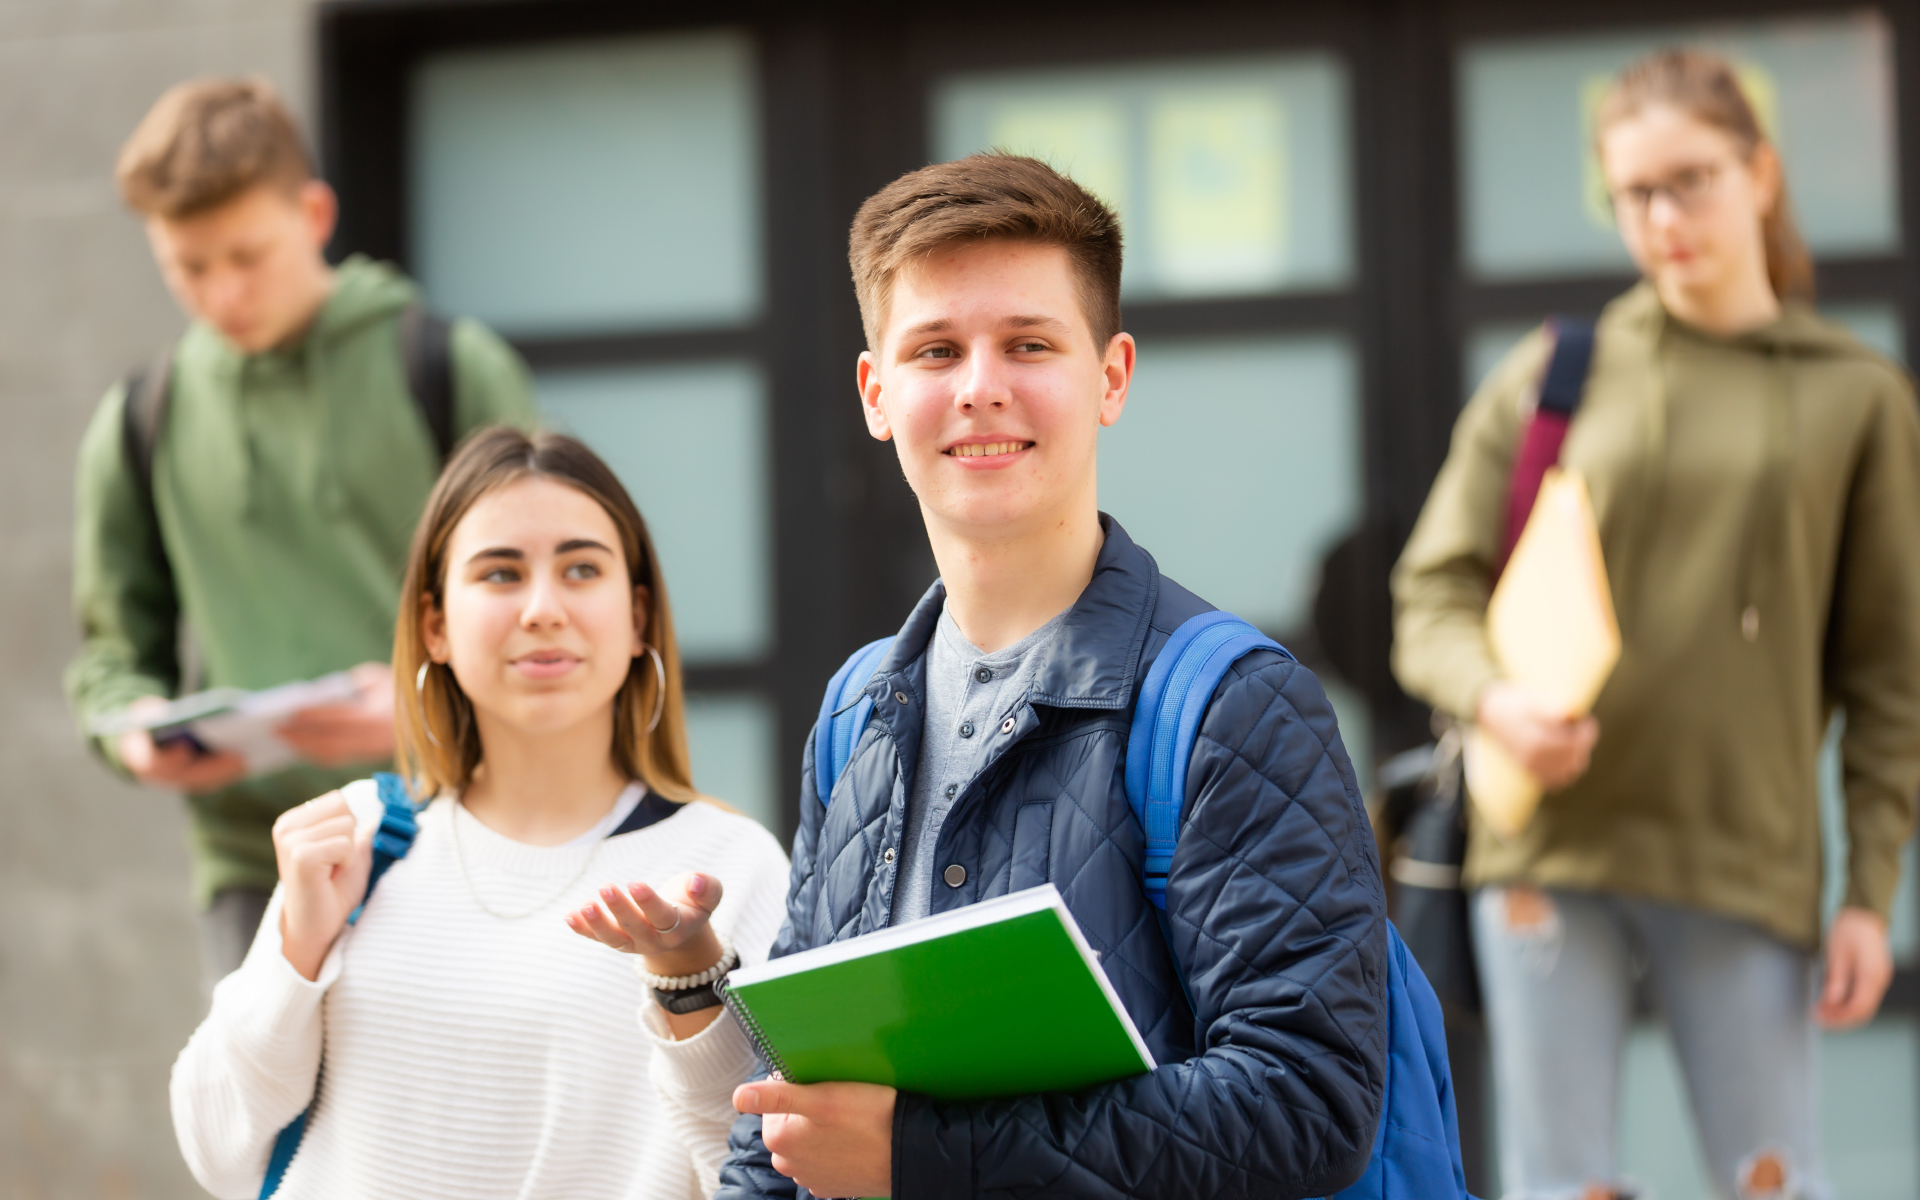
1416	1148
391	842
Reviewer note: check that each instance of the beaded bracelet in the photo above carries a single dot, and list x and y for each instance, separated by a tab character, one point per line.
680	983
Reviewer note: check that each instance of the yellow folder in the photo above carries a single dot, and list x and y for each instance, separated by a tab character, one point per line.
1551	625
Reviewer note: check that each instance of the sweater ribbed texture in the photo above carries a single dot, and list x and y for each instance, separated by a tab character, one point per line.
471	1056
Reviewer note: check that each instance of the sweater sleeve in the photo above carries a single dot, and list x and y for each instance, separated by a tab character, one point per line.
1874	648
252	1066
491	385
122	590
1444	577
695	1078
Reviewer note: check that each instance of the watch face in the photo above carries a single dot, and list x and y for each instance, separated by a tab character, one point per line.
691	1000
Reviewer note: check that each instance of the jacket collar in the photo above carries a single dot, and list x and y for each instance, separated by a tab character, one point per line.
1093	660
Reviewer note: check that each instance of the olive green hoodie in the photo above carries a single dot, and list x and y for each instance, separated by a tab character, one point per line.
287	486
1759	506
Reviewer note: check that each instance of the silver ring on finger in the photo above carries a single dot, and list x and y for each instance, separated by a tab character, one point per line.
676	920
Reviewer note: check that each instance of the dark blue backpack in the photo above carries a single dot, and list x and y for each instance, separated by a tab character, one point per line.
1416	1149
391	841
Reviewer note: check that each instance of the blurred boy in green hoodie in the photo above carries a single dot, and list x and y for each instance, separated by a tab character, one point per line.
283	486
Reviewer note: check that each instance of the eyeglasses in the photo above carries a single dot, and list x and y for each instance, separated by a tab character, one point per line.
1688	188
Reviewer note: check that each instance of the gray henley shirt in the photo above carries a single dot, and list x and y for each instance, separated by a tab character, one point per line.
969	694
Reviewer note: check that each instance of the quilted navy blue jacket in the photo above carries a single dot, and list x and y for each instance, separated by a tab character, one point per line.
1271	1083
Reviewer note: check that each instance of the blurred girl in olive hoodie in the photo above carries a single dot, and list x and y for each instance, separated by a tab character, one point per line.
1756	474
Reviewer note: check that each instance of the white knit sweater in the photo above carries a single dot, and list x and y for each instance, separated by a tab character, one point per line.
472	1056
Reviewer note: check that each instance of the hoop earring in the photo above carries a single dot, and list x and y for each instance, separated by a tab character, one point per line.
420	691
660	694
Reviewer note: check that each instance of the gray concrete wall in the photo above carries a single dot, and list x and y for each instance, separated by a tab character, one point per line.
98	962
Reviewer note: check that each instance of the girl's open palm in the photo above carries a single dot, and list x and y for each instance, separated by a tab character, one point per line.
671	928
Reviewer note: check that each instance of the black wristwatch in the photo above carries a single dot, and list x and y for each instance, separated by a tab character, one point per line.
687	1000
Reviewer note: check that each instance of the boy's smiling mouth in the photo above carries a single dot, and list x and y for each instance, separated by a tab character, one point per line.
987	449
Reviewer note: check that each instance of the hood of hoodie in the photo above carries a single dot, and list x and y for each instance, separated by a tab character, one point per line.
1798	330
364	291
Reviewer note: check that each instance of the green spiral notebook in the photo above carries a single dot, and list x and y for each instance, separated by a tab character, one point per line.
1001	998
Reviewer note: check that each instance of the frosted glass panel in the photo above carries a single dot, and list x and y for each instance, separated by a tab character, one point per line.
1868	1102
1902	930
1237	464
1230	176
1534	202
733	740
1485	347
1878	325
689	443
590	186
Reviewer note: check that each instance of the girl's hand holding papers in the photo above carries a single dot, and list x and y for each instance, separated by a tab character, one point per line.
1555	748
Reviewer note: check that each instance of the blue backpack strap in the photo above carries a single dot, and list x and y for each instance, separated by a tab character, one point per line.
399	824
1416	1147
1166	718
843	714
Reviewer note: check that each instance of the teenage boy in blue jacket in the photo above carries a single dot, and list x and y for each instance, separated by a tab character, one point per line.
995	758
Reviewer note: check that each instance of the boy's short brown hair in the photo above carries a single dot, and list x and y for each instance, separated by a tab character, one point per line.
986	197
207	141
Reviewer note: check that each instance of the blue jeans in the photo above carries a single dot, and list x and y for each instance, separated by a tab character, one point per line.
1558	971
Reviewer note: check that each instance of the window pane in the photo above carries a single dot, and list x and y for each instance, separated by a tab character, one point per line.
1486	346
1868	1094
1231	177
1834	852
1878	325
1534	201
590	186
1237	464
689	443
732	740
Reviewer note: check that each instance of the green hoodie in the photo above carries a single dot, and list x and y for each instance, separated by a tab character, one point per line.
287	486
1759	507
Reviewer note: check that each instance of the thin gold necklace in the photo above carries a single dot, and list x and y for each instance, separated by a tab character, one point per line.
460	856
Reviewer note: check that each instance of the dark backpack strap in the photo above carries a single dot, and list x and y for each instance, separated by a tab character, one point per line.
426	347
146	396
143	414
1561	386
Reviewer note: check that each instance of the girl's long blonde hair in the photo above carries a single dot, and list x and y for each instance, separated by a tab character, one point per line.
438	740
1707	88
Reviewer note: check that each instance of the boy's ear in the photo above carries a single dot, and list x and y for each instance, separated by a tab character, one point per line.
319	209
1118	369
867	375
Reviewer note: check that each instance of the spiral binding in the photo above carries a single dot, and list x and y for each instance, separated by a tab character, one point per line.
755	1034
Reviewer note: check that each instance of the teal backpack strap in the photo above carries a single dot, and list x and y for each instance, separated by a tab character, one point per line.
843	714
398	826
1166	718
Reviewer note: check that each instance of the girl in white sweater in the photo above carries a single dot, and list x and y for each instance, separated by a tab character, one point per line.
458	1040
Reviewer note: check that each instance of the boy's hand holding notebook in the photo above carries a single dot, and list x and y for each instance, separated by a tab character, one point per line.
1001	998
